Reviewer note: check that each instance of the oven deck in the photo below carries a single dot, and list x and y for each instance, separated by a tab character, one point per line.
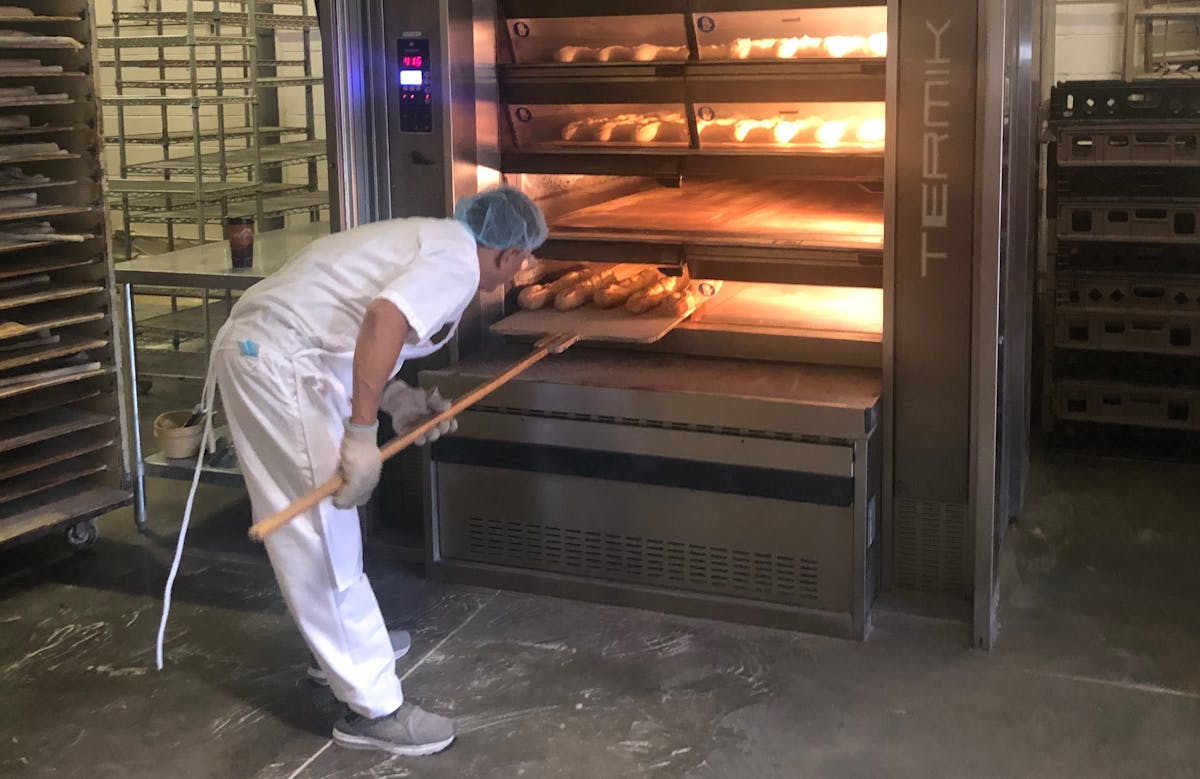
724	488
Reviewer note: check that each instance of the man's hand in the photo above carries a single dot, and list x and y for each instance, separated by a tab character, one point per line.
409	406
360	465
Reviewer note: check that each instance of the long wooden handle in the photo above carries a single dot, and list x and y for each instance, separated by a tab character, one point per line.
554	344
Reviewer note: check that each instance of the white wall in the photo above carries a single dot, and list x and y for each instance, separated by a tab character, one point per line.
1090	39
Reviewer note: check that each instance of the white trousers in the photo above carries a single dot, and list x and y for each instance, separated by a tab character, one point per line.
285	416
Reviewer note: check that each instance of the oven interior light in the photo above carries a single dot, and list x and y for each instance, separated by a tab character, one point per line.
871	131
831	133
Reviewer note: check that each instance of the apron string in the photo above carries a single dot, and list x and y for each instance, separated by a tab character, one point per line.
207	399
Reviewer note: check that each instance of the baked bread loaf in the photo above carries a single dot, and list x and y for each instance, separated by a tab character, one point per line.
582	293
617	293
642	301
537	296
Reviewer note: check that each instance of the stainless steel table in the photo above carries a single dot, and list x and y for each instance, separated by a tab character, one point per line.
207	266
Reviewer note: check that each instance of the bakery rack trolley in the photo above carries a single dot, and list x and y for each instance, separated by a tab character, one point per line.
62	459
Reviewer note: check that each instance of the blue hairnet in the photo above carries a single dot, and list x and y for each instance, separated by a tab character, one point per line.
503	218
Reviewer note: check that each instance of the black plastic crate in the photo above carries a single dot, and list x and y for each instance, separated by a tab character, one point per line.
1148	370
1135	292
1126	258
1125	183
1088	101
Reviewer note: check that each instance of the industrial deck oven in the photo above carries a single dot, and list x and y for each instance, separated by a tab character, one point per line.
846	413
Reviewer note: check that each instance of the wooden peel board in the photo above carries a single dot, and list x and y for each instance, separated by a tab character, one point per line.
590	324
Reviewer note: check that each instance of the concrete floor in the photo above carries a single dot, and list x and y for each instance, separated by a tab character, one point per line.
1096	673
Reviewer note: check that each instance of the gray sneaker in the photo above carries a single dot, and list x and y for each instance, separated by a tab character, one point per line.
410	731
401	643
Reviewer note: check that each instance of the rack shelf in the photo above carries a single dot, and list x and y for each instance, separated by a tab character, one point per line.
266	21
38	212
203	63
39	42
174	137
24	267
41	321
272	206
168	41
37	158
242	159
18	132
58	292
39	456
41	73
272	82
36	19
86	373
47	425
64	347
199	100
137	188
32	187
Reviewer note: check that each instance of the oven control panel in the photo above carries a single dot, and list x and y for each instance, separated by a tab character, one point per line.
416	86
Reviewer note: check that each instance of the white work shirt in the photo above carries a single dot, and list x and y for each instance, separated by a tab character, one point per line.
427	268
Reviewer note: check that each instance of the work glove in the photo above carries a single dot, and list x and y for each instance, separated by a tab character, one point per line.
409	406
359	467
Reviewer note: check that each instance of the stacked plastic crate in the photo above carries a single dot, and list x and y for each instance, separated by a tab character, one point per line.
1123	309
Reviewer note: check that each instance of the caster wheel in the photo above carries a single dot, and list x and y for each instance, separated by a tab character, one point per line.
82	535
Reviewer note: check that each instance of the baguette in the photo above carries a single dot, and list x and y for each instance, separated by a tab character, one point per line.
644	300
616	294
677	303
581	293
537	296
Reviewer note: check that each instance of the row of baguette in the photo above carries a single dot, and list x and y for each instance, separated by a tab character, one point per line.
640	293
671	128
836	46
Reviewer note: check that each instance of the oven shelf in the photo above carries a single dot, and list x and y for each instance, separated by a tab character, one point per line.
768	213
779	231
656	163
729	259
546	9
839	80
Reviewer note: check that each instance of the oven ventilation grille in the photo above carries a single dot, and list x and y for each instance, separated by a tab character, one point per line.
660	424
930	545
653	561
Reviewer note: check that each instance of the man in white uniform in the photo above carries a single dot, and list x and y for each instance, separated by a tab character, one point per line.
303	365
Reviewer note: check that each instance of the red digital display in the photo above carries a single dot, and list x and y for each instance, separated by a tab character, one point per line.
413	61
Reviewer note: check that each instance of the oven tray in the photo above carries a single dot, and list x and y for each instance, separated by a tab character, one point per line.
762	212
591	324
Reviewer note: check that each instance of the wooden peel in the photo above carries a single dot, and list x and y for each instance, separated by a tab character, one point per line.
551	344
